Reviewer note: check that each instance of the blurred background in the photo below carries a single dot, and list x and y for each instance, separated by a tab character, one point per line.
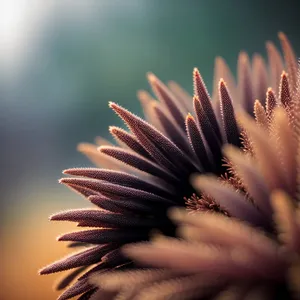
61	62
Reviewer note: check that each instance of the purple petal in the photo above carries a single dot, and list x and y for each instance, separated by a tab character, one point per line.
201	92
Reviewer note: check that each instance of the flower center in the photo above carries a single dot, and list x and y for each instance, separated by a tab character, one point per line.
204	203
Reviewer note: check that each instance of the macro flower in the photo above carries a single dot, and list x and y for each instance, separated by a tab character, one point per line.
148	172
254	253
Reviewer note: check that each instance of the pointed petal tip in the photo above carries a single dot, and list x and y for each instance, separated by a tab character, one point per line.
269	44
67	181
284	74
129	250
52	217
222	83
151	77
112	130
102	148
43	271
126	249
257	102
81	147
219	59
60	238
85	148
71	171
61	215
281	35
113	105
116	107
243	56
194	178
189	117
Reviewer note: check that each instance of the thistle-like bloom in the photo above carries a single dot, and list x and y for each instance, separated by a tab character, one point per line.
254	253
149	171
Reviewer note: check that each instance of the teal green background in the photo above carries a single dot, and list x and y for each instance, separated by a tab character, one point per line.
83	60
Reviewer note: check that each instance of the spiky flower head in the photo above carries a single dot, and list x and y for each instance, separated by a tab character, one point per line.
254	253
149	170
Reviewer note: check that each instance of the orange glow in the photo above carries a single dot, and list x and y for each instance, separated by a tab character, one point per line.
27	246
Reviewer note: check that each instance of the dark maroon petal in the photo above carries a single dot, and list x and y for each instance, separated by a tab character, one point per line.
95	224
67	279
121	178
76	289
270	103
197	143
212	140
201	92
172	130
114	255
159	154
87	295
104	266
177	165
166	97
103	236
104	219
100	295
130	205
82	258
76	245
111	190
159	146
137	162
83	190
110	205
221	70
228	116
129	140
284	91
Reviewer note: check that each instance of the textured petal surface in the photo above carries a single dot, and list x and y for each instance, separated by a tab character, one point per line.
149	171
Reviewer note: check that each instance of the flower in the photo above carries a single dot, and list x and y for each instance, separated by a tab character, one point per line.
254	253
149	171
